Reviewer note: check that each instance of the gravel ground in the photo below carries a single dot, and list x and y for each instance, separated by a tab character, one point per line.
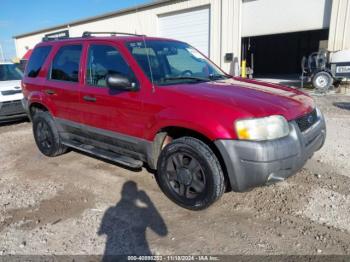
75	204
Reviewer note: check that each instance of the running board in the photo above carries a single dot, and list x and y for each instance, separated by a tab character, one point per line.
114	157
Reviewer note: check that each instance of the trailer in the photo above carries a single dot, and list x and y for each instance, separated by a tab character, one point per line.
325	69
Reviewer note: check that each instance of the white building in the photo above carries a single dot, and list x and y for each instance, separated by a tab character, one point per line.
277	33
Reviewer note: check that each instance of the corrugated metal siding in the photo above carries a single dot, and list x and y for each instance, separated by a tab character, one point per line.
224	34
231	33
339	34
225	25
146	22
30	41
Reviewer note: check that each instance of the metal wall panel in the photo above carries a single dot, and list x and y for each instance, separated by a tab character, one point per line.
224	26
339	32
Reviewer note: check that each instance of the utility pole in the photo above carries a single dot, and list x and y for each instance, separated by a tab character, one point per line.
2	53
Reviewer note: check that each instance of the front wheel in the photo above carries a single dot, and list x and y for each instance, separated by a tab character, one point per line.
322	81
190	174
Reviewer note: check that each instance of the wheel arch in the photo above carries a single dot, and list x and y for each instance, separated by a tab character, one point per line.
37	107
37	101
166	134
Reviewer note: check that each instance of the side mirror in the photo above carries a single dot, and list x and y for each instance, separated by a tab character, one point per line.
121	82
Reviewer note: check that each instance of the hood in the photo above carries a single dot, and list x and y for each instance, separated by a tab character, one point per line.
252	98
10	90
10	85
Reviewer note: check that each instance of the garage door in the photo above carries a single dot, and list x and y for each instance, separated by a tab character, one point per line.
267	17
191	27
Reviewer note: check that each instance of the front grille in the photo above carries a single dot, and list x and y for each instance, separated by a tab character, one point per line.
11	108
11	92
307	121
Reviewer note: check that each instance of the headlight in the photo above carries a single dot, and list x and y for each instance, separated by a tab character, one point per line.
260	129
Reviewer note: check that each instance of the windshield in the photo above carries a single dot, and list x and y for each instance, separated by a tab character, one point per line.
10	72
173	62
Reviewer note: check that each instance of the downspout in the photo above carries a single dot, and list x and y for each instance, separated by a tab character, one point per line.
239	55
221	39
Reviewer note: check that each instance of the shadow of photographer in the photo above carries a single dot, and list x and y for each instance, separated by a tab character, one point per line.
125	224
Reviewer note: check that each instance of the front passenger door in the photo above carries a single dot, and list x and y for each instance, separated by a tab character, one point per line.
103	108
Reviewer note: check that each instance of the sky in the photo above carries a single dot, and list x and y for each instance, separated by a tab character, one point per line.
21	16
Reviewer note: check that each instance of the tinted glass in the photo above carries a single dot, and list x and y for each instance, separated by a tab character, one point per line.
170	62
141	53
10	72
37	60
104	60
65	65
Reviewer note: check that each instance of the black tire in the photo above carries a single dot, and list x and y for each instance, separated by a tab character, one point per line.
46	135
322	81
190	174
337	83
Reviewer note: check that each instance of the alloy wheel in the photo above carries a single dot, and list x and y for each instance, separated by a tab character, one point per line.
322	81
185	175
44	135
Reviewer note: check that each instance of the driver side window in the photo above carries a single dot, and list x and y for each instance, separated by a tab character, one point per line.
104	60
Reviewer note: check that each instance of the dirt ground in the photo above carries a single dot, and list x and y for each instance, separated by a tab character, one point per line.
76	204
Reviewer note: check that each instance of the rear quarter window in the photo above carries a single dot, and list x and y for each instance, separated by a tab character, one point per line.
36	61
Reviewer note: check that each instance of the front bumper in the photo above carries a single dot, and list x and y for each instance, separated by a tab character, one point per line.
11	110
250	164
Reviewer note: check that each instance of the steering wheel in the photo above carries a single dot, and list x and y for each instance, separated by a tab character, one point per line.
187	73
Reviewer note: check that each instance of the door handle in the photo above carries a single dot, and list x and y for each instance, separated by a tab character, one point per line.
89	98
50	92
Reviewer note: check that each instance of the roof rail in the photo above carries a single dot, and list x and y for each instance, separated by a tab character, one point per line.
89	34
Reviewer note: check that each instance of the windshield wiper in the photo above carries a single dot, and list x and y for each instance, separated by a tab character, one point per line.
218	77
199	79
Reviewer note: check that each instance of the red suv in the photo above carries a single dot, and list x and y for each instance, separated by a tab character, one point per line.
134	99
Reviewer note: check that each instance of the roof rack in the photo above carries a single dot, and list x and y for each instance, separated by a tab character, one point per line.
64	35
47	39
56	36
89	34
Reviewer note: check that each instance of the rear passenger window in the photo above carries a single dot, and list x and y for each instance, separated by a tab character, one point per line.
65	65
104	60
37	60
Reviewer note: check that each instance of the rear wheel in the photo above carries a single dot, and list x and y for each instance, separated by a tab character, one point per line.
322	81
190	174
46	135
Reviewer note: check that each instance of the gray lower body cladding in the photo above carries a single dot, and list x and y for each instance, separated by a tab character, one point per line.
250	164
121	144
11	110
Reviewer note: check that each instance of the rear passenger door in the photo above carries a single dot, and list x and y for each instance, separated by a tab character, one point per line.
63	83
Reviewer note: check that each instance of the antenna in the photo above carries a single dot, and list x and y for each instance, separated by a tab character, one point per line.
145	45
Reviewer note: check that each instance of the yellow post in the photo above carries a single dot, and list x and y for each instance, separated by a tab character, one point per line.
244	69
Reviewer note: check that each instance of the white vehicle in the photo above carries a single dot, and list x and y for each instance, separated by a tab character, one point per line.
10	92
